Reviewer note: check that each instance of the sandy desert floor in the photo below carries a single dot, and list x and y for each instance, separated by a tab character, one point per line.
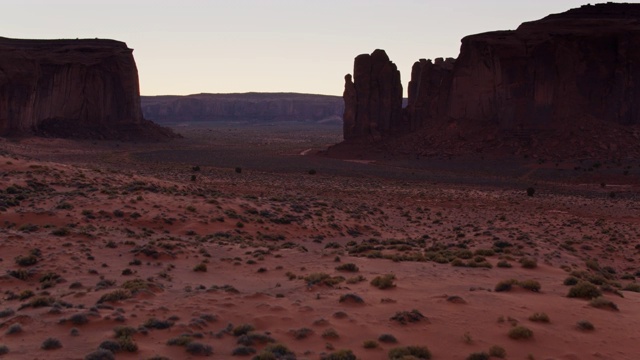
227	245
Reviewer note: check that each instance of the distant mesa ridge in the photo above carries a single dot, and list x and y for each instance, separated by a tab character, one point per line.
85	88
550	76
253	106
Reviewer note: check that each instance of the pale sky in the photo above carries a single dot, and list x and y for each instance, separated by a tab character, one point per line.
193	46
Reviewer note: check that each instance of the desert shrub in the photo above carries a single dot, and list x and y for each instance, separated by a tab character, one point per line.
182	340
124	340
264	356
4	349
112	346
404	317
592	264
41	301
136	285
63	231
154	323
584	290
238	170
49	277
571	280
14	329
100	354
455	299
405	352
323	278
484	252
301	333
200	267
602	303
135	262
497	351
340	355
79	319
520	333
25	294
529	263
613	289
351	267
242	329
274	352
370	344
351	298
6	313
256	338
124	331
209	317
116	295
26	260
635	287
104	284
28	228
458	263
539	317
387	338
531	285
196	348
243	351
585	325
384	282
312	172
504	264
126	343
20	274
356	279
51	344
530	191
330	334
478	356
505	285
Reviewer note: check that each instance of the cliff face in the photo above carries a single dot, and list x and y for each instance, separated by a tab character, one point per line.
583	63
373	101
429	91
243	107
77	88
555	73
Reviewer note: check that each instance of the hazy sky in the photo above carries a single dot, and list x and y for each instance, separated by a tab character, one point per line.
191	46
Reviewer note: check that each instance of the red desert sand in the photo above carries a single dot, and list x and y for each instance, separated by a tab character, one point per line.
144	260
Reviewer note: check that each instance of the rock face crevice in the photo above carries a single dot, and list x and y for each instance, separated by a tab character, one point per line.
553	74
71	88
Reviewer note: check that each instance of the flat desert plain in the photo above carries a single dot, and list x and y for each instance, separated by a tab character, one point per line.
240	241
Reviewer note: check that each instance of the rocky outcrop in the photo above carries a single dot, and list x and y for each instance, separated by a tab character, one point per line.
558	70
429	90
71	88
373	101
243	107
556	74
